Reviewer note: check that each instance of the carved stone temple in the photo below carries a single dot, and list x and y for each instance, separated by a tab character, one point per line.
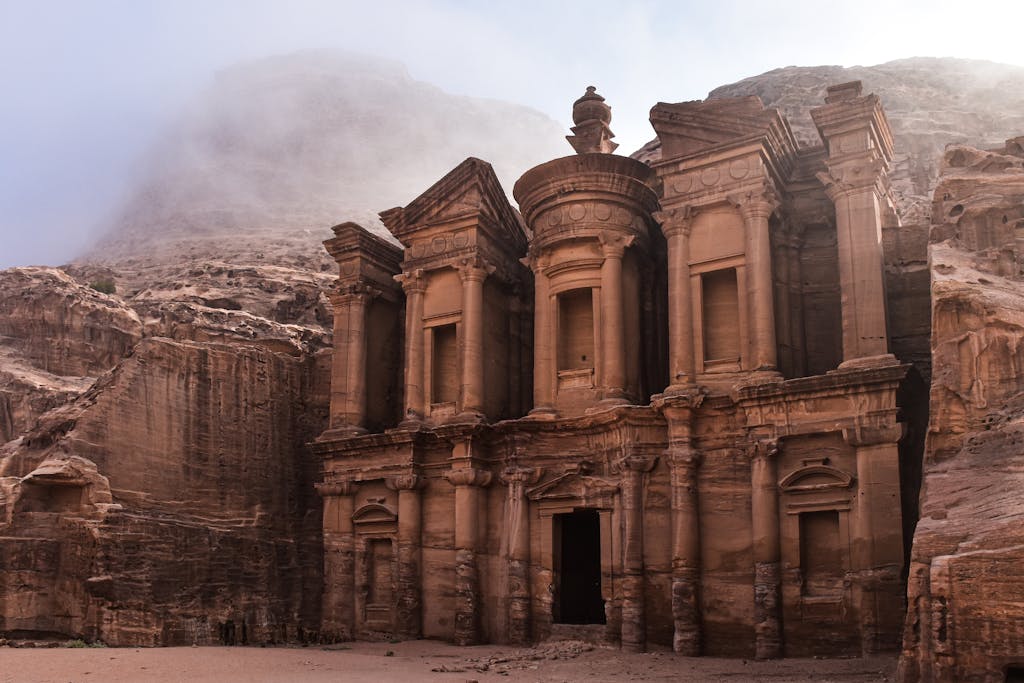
654	405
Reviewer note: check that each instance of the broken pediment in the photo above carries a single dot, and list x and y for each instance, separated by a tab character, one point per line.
690	127
470	190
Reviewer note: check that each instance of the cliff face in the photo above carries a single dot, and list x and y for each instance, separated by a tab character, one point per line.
965	616
156	487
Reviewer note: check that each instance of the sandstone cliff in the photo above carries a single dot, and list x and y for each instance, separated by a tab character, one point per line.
965	620
156	487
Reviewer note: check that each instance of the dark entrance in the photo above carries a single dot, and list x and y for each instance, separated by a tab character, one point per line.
578	542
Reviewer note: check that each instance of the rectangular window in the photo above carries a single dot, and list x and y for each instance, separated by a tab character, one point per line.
720	315
576	329
444	383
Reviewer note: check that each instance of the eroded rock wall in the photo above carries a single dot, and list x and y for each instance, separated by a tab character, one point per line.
211	534
965	620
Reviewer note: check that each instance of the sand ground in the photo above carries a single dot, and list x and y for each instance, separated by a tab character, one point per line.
421	660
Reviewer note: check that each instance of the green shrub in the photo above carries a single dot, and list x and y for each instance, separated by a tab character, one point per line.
106	286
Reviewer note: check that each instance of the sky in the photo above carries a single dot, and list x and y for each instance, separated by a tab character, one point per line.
88	85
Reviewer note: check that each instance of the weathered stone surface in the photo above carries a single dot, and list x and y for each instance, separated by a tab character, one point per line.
965	615
178	494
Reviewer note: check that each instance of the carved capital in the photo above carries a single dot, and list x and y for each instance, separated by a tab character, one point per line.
853	176
468	476
873	435
757	204
474	268
683	457
764	449
413	281
405	482
676	222
342	487
637	462
353	291
614	244
524	476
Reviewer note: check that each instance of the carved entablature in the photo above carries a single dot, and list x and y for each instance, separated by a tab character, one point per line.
464	215
367	263
715	148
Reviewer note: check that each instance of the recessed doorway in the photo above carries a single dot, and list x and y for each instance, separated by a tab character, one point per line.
578	561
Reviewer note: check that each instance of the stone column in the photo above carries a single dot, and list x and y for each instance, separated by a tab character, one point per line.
468	483
675	224
878	536
684	463
543	344
854	189
409	599
517	526
473	273
613	357
767	572
338	619
414	284
756	210
634	624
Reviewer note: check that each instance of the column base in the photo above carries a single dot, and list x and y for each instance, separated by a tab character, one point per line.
865	362
341	432
543	413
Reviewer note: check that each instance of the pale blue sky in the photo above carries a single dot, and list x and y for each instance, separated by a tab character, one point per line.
89	84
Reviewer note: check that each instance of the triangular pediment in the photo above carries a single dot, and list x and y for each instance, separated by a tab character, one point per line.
573	486
688	128
471	189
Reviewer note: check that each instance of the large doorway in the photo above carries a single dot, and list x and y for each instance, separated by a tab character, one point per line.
578	548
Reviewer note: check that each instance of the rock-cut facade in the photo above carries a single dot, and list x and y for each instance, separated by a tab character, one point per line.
656	404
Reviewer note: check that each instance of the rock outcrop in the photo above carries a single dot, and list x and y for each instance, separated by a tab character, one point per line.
966	620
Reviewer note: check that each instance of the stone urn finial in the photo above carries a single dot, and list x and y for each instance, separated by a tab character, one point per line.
591	116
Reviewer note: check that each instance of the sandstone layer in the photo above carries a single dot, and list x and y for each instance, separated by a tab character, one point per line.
965	615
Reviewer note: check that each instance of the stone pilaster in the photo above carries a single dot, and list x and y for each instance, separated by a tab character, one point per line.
468	483
517	525
756	208
473	272
409	621
634	624
348	365
338	618
613	374
878	536
767	551
675	225
414	284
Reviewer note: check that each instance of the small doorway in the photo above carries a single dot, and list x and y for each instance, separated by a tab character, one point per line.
578	561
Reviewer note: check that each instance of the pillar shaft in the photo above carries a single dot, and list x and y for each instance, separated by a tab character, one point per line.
473	338
517	524
634	624
338	619
767	574
348	368
409	616
543	346
859	236
682	369
760	288
468	604
414	366
684	465
613	318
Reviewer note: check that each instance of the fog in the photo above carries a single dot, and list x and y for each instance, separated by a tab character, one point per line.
90	87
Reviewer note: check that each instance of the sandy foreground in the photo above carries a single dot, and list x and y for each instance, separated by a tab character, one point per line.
421	660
